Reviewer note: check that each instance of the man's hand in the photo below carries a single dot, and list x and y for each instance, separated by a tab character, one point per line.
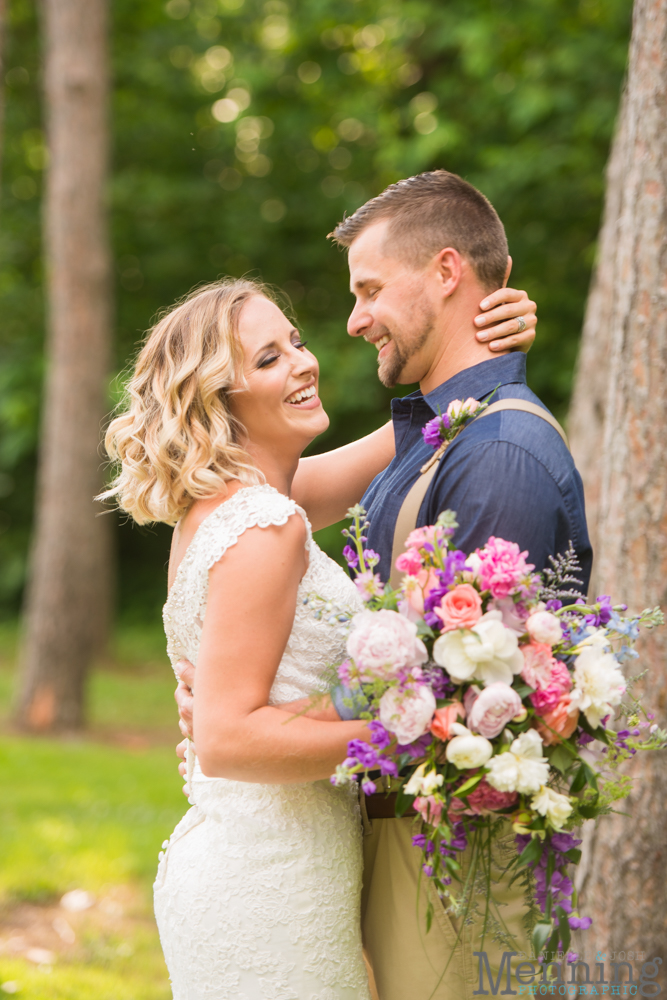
184	696
500	318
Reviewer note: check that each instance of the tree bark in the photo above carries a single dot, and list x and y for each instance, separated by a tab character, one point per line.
619	434
69	592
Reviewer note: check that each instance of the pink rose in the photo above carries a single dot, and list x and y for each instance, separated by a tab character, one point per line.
493	709
559	723
407	713
537	663
457	407
485	799
503	566
470	697
444	717
428	808
544	627
546	698
460	608
384	643
409	562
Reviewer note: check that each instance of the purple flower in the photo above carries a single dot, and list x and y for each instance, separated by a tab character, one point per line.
351	557
554	605
430	847
379	735
428	870
434	431
363	752
368	786
388	767
572	956
417	748
372	558
419	840
579	923
563	842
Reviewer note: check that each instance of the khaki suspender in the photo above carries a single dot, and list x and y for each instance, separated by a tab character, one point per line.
407	515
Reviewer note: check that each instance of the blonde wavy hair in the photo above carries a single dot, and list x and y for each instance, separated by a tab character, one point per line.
177	440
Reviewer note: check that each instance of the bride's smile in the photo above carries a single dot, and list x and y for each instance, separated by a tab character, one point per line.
279	404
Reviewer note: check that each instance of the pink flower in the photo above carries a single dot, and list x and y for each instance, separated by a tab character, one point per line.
470	697
546	698
503	567
460	607
407	713
384	643
409	562
425	536
369	584
457	407
485	799
493	709
537	662
444	717
428	808
544	627
559	719
513	614
415	589
548	676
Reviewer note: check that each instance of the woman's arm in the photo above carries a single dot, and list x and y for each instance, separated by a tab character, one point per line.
250	612
326	485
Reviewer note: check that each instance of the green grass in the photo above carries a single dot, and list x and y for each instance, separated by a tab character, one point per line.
90	813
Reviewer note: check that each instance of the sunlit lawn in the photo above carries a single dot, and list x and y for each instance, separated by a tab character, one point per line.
89	814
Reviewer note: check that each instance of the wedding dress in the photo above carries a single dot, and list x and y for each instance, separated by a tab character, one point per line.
257	894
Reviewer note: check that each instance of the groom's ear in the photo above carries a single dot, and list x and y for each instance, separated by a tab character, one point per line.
508	271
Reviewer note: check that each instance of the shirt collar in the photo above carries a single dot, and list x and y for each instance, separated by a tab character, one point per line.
478	382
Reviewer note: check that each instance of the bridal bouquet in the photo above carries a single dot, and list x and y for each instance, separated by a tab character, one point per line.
495	693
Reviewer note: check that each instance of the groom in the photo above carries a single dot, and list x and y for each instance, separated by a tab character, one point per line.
422	254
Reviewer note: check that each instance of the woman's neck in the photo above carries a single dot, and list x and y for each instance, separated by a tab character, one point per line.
279	470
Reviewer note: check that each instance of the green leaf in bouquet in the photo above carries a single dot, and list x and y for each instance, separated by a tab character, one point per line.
588	811
429	916
523	690
468	785
403	802
579	781
424	631
560	757
573	855
599	733
591	777
531	852
452	865
541	933
563	927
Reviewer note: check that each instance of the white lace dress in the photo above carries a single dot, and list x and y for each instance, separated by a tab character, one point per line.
257	894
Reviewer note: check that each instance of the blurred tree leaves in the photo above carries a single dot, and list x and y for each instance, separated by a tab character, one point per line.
243	131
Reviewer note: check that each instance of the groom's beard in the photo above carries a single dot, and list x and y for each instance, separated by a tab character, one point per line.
391	368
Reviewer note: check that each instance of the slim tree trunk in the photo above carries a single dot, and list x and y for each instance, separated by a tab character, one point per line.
619	429
69	589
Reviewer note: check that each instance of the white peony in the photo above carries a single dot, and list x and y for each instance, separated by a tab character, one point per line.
423	784
553	805
598	684
466	750
407	713
542	626
522	768
489	652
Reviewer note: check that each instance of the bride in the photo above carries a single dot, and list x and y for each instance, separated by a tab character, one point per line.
257	892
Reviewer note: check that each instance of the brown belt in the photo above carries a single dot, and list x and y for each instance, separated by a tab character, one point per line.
382	806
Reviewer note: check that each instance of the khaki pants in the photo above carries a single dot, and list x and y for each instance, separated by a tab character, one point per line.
408	963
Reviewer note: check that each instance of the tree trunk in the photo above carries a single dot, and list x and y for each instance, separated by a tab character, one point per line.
69	591
619	433
3	48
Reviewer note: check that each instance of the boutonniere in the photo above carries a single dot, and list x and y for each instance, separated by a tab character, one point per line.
439	432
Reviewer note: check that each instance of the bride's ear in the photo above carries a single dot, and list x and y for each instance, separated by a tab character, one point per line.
508	271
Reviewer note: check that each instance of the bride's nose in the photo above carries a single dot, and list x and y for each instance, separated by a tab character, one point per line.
304	364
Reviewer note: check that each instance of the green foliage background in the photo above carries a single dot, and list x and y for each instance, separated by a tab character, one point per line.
334	99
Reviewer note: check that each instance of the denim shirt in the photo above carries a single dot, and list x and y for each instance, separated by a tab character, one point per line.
508	474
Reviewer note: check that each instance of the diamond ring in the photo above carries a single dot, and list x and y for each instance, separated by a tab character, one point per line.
522	324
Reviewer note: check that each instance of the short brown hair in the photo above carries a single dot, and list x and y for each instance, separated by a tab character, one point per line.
429	212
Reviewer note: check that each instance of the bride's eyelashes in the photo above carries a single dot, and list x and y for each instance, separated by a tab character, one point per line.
270	358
